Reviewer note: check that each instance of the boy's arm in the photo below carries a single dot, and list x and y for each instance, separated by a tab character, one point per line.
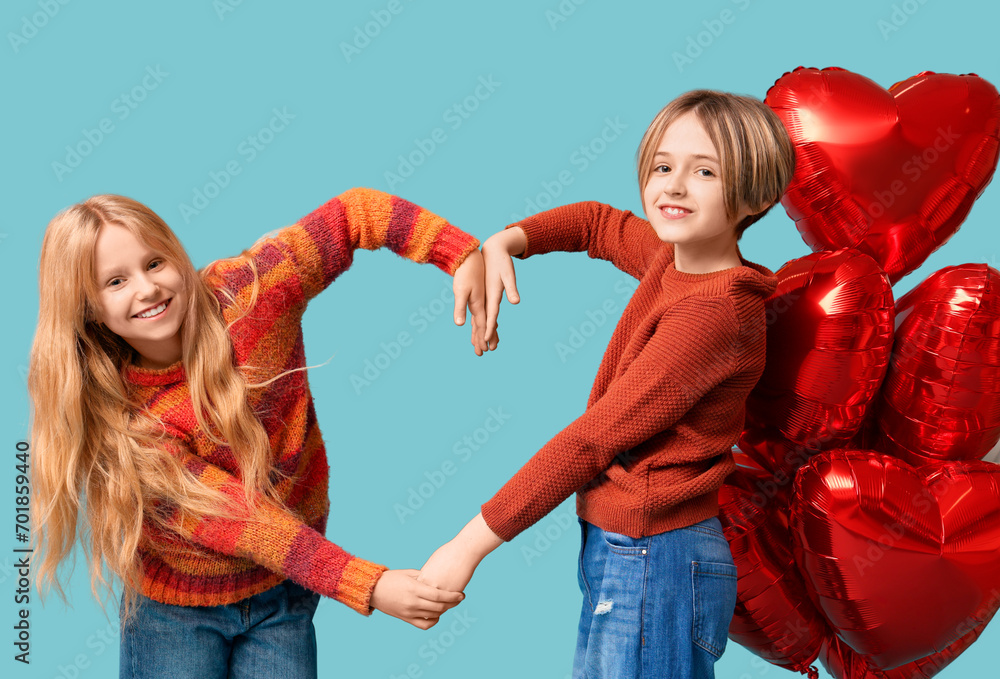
692	351
618	236
279	541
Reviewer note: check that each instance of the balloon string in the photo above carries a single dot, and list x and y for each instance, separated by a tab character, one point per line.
813	672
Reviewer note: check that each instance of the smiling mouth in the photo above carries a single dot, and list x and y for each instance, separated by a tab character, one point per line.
154	311
673	212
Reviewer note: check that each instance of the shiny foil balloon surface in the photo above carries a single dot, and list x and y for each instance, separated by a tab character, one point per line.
941	396
843	663
891	173
903	562
774	617
829	336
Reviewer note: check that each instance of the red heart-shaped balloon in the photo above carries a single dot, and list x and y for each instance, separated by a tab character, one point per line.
891	173
843	663
774	617
941	396
902	561
829	334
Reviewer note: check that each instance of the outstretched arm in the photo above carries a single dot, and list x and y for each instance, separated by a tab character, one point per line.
271	536
299	261
617	236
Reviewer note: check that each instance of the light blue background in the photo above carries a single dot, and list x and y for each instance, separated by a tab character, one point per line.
558	83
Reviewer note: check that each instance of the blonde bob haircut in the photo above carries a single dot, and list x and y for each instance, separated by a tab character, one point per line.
755	152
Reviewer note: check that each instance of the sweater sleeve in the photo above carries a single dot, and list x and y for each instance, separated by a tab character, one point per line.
692	350
276	539
618	236
298	262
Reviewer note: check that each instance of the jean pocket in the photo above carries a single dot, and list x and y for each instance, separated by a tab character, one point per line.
624	544
714	594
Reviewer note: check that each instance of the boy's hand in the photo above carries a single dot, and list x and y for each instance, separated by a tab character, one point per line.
470	291
498	251
450	567
399	594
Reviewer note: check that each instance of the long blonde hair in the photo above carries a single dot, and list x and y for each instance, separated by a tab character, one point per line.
92	439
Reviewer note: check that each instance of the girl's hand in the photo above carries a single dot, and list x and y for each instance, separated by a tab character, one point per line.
470	291
397	593
498	251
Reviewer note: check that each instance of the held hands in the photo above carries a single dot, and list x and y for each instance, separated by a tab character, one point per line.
451	566
498	251
399	594
470	290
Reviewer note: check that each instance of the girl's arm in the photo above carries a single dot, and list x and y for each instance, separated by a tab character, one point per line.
278	540
300	261
690	353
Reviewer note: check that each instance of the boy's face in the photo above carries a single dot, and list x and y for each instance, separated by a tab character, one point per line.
141	295
683	197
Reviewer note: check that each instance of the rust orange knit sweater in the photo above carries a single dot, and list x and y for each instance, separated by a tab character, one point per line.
229	560
654	444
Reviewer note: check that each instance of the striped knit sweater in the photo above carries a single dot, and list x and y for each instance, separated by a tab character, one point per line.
229	560
654	444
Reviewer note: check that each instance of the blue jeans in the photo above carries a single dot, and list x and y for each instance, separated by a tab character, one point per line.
270	634
658	606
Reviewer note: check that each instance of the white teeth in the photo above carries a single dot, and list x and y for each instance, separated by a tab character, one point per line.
153	312
675	211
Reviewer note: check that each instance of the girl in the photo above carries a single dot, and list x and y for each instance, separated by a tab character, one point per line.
176	404
648	456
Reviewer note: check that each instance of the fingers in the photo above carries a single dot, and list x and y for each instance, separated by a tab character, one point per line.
510	285
461	301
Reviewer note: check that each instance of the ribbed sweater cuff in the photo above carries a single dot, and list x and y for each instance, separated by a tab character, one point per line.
534	235
493	516
357	583
451	247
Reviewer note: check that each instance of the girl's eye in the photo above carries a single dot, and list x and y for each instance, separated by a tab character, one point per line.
661	168
112	282
155	262
708	173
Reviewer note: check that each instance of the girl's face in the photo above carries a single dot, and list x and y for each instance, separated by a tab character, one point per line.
142	296
683	197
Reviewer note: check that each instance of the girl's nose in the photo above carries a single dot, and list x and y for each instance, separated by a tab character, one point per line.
148	288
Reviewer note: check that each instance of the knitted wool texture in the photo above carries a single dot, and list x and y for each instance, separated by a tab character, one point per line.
214	561
654	444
